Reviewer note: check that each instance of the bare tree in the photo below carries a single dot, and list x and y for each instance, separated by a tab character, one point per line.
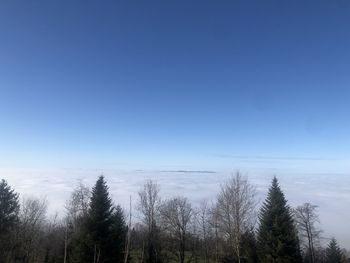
32	224
77	205
128	235
149	207
214	224
76	209
203	220
236	208
306	218
177	216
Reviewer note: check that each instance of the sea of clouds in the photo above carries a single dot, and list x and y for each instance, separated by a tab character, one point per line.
331	192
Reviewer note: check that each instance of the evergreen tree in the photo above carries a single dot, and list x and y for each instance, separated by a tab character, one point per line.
248	245
118	234
277	235
102	235
9	209
333	252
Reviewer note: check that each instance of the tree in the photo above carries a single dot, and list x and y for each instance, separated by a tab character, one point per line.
101	238
9	209
333	252
249	246
76	213
53	240
177	216
149	206
118	235
306	218
78	204
214	224
277	236
203	221
30	231
236	210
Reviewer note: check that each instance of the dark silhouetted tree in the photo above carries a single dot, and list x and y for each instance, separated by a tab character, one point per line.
249	247
102	235
333	252
277	236
9	209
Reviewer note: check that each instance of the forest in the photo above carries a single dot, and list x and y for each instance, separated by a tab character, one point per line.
235	227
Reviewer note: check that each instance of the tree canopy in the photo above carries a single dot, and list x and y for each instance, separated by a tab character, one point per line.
333	252
277	235
9	209
102	235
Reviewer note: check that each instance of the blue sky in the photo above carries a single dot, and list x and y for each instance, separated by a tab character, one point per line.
147	83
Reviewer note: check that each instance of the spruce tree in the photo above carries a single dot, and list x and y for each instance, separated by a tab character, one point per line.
333	252
118	234
249	246
277	236
9	209
102	235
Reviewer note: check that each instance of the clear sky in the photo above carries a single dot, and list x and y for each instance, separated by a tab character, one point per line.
146	88
138	83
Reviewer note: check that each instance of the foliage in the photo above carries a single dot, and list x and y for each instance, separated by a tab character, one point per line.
277	235
333	252
9	210
102	235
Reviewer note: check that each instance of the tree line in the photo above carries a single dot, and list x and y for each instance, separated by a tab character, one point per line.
232	228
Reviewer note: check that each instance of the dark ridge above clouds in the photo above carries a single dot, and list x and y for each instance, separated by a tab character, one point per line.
188	171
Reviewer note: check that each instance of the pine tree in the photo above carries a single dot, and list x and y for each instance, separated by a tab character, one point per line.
118	234
333	252
277	235
101	238
9	209
249	246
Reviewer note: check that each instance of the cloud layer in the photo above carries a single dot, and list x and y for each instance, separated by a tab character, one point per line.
330	192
